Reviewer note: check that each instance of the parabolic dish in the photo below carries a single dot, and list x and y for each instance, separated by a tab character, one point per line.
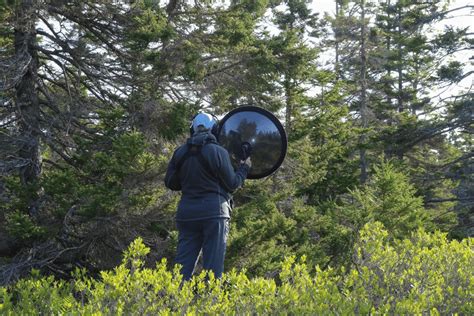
259	128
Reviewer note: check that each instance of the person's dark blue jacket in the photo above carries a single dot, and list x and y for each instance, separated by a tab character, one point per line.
205	191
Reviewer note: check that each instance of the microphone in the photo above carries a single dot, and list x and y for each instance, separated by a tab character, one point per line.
246	150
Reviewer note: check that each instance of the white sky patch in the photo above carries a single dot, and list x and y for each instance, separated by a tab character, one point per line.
461	19
322	6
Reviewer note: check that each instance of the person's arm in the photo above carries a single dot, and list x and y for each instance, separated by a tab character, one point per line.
172	176
230	179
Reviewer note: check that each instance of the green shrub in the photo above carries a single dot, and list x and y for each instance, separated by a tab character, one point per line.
21	226
113	179
424	274
16	210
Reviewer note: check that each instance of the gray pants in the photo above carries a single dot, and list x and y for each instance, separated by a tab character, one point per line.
209	235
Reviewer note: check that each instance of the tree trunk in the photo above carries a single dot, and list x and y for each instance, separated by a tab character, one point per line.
389	48
336	39
401	105
289	104
399	61
26	93
363	96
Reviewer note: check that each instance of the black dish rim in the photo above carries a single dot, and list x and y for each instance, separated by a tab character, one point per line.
272	117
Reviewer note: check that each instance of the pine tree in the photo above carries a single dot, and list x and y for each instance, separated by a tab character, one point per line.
418	65
67	80
388	198
406	62
357	44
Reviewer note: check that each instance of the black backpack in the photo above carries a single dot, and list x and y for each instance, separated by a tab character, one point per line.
195	151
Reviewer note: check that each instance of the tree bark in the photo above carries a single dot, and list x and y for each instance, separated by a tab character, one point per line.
336	39
26	93
363	96
399	61
401	105
289	103
389	48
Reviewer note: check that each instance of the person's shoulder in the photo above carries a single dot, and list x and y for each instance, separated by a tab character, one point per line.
214	148
181	147
180	150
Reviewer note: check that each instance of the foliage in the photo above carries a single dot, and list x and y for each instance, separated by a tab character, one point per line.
106	180
95	95
321	153
18	222
390	199
423	274
104	186
21	226
273	220
107	196
271	223
426	273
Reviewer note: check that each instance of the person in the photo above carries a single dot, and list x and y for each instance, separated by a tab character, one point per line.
202	170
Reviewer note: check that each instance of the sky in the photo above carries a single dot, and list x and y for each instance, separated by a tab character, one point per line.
330	6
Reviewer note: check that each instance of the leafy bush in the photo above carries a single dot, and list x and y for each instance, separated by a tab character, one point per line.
424	274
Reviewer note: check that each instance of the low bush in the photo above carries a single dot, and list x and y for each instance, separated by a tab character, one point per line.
424	274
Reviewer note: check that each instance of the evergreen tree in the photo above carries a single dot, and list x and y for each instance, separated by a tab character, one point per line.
356	45
67	84
402	57
417	66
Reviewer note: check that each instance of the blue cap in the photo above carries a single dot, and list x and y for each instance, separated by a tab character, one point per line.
205	120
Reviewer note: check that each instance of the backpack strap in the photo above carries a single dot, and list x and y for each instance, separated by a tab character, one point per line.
195	150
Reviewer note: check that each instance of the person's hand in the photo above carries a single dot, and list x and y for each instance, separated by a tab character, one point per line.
247	162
